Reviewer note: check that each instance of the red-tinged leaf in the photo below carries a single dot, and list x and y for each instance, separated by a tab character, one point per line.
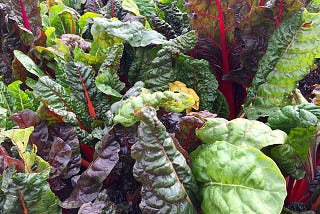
90	181
188	124
68	134
88	151
39	136
6	161
60	156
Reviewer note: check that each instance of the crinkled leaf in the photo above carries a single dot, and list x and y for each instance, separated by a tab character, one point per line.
240	132
64	20
197	75
27	193
21	99
167	181
132	32
60	155
3	118
68	135
301	139
288	161
90	181
290	117
232	176
169	101
180	87
108	80
162	66
102	204
289	57
147	7
59	98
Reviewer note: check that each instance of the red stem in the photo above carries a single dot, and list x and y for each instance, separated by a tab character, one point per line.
261	3
278	20
24	16
227	86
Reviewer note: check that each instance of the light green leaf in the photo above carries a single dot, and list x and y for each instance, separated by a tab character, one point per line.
131	6
28	63
289	58
83	20
237	179
240	132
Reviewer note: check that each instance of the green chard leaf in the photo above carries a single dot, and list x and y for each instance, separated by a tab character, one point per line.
26	193
157	75
28	64
107	80
64	20
232	176
197	75
169	101
289	57
288	161
240	132
290	117
157	159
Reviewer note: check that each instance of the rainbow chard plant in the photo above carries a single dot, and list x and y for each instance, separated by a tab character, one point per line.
131	106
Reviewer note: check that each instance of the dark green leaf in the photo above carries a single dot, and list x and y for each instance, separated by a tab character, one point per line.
157	159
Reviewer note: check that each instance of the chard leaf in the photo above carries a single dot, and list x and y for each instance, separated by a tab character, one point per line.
169	101
59	98
288	161
157	159
3	118
68	135
147	7
197	75
90	181
81	80
162	66
26	193
83	20
64	20
240	132
108	80
131	6
301	139
231	176
289	57
28	64
290	117
132	32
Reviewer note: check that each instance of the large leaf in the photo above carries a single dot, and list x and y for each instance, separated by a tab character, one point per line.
288	161
60	99
232	176
132	32
289	57
90	181
240	132
28	64
290	117
26	193
167	100
197	75
167	181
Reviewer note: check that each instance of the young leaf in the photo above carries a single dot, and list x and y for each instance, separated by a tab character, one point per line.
157	159
289	57
167	100
83	20
240	132
26	193
231	176
90	181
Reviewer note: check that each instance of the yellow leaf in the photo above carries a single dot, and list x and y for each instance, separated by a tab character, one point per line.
180	87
